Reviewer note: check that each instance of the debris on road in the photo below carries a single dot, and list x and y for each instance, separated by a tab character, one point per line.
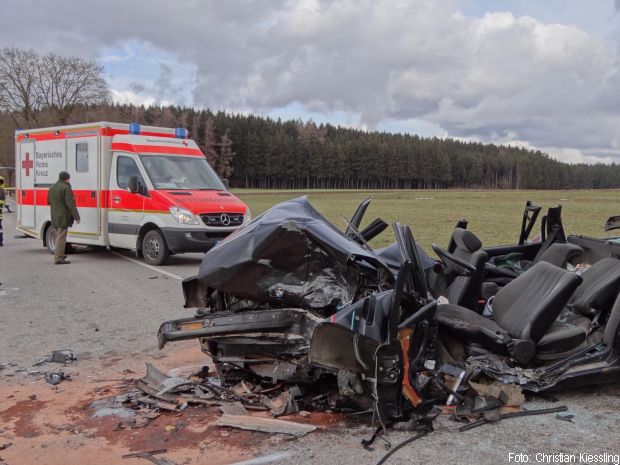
514	394
496	415
233	408
150	456
58	356
57	377
265	425
565	417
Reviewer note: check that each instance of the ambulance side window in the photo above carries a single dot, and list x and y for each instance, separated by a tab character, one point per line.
81	157
126	167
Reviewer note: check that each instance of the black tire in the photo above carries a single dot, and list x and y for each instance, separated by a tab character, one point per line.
154	248
50	239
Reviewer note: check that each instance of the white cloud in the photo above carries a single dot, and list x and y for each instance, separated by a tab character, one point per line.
496	78
128	97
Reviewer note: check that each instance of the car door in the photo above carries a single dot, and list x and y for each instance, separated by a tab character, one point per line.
126	209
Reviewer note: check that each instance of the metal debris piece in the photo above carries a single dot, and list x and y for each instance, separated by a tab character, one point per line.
565	417
233	408
275	371
58	356
486	403
150	456
153	385
265	425
57	377
284	404
514	394
523	413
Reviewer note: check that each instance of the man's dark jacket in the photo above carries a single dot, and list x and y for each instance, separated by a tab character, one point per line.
62	203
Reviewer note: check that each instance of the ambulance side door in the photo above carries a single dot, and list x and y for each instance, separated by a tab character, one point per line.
83	167
26	193
126	209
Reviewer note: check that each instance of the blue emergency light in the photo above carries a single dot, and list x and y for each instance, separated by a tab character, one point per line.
180	133
134	128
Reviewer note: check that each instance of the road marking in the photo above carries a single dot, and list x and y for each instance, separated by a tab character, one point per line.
8	290
150	267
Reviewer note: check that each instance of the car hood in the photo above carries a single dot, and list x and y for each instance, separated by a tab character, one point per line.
290	255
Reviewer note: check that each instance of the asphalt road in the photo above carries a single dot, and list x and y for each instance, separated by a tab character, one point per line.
103	301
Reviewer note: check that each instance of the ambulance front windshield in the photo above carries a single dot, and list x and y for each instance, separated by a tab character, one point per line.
181	172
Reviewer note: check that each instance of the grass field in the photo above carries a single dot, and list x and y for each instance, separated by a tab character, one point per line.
495	216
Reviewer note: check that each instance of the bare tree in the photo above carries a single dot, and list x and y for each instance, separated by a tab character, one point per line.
66	82
54	84
18	86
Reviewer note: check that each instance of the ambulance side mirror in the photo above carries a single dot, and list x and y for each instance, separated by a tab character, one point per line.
132	184
226	184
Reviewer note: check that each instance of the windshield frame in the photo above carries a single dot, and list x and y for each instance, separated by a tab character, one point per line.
158	185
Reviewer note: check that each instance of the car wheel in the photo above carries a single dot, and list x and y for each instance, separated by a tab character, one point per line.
50	239
154	248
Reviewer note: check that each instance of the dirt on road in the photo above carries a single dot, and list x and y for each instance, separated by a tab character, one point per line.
51	425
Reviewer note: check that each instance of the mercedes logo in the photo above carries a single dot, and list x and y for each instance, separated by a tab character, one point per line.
225	219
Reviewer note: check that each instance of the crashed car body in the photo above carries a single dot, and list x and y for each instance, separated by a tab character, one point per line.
549	319
289	297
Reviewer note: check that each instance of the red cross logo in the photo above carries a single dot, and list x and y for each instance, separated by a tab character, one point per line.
27	164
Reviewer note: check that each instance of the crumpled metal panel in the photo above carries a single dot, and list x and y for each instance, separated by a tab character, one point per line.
290	255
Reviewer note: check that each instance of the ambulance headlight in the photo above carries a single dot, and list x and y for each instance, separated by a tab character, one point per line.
248	216
183	216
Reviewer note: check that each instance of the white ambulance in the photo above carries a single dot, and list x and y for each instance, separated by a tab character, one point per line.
144	188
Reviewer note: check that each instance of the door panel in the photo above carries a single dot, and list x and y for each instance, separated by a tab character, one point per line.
83	166
126	210
26	195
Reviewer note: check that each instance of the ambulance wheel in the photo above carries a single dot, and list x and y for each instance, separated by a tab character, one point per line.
154	248
50	239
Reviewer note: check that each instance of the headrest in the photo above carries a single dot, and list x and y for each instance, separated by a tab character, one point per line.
466	240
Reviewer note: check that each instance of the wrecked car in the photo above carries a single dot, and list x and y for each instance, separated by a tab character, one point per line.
291	298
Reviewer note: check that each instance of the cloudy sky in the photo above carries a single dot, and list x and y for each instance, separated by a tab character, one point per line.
541	74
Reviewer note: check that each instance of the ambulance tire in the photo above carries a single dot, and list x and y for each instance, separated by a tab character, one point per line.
154	248
50	239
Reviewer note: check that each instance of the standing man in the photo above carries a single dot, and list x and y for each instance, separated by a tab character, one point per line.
62	204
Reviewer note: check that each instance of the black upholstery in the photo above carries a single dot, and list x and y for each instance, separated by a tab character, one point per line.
472	326
559	254
611	336
524	309
601	283
465	290
528	305
567	334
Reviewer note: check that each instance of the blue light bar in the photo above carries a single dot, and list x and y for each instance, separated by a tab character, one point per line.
134	128
180	133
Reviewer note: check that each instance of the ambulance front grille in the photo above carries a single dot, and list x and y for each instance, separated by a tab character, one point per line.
222	219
